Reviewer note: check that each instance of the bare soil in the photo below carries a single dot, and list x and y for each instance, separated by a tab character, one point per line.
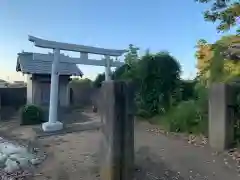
75	155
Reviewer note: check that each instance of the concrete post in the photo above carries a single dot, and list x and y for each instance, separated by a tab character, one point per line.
221	112
128	135
107	68
117	147
53	124
0	106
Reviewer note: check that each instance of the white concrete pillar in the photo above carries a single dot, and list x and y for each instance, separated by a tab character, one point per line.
54	88
53	124
107	68
30	84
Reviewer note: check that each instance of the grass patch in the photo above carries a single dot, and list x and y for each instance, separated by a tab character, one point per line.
185	117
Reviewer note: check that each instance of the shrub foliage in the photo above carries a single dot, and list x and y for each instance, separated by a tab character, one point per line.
31	114
162	97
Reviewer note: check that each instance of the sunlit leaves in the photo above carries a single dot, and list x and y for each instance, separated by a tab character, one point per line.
212	62
225	12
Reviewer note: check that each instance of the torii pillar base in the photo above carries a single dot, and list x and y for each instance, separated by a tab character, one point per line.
52	126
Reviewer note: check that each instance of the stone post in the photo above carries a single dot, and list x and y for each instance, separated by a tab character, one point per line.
0	106
107	68
117	147
221	116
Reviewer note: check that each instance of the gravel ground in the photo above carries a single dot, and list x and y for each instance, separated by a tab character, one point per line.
75	155
72	157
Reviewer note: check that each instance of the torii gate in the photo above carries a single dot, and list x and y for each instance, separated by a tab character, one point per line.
53	124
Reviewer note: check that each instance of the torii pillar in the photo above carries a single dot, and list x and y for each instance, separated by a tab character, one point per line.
53	124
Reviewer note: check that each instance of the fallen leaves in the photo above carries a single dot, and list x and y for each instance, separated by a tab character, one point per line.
235	155
199	140
157	131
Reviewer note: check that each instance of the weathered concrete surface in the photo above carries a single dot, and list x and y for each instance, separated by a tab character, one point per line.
221	116
117	147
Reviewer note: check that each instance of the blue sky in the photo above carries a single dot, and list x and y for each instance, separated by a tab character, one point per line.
170	25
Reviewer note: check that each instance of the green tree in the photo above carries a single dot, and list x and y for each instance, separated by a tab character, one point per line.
203	55
128	70
217	63
212	62
225	12
97	83
159	76
121	72
125	72
132	55
83	81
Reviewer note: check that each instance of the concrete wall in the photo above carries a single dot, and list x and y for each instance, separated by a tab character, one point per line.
117	146
72	93
38	86
14	97
64	93
11	100
83	94
221	115
38	83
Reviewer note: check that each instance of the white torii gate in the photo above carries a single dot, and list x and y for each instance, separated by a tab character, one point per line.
53	124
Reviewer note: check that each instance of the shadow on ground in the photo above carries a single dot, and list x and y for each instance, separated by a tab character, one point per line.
74	120
68	115
151	167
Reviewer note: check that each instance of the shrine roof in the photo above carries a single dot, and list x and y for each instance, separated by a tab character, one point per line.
28	65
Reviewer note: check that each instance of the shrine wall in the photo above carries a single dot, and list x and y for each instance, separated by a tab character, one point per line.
83	95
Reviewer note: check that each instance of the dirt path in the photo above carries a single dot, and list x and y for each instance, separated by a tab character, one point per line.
71	156
198	163
75	155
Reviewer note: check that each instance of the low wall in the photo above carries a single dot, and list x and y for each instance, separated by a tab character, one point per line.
82	94
14	97
11	100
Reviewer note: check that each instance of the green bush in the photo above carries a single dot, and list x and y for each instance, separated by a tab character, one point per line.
202	105
158	78
189	116
31	114
182	118
143	113
185	117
